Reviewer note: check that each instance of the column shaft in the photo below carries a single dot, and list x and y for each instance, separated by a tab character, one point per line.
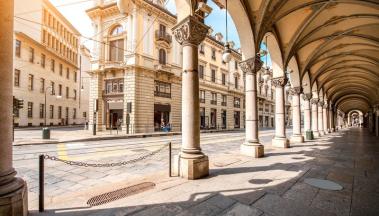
320	121
325	119
314	102
296	115
280	139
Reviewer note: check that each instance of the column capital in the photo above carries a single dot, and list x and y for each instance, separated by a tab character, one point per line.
190	31
279	81
251	65
307	96
321	103
326	106
295	90
314	101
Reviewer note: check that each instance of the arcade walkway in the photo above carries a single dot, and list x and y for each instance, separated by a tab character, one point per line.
273	185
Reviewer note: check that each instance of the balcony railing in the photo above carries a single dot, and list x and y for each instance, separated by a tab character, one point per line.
162	68
214	102
223	103
237	105
112	93
163	36
162	94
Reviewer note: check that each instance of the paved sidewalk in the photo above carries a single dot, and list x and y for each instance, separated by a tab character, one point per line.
273	185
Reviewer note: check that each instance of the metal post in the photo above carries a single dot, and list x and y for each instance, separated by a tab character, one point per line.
169	159
94	124
41	183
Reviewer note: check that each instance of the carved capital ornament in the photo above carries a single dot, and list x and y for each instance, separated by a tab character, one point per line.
251	65
307	96
314	101
190	31
296	90
279	81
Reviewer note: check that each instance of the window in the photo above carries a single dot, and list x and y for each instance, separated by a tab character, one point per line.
76	76
52	65
162	56
31	55
51	111
202	96
214	98
30	109
52	84
213	75
236	65
213	53
162	89
236	82
117	30
116	50
30	82
60	69
74	94
43	60
237	102
60	90
74	113
201	71
42	85
162	29
18	48
201	49
67	111
67	92
59	112
17	77
84	114
224	99
68	73
223	78
41	110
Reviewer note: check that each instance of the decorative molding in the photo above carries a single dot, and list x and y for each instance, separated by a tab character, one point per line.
251	65
321	103
307	96
314	101
295	90
190	31
279	81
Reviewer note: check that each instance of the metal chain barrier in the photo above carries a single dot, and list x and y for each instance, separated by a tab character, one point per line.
122	163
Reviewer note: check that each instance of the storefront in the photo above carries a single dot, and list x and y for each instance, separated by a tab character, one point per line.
162	116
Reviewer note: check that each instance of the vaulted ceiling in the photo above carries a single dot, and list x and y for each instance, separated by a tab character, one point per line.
335	41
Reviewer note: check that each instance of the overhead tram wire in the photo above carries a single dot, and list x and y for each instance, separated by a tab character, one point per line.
62	5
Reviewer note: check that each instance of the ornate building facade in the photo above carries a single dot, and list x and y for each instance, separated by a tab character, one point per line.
137	74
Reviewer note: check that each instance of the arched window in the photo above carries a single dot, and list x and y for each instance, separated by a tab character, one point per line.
117	30
162	56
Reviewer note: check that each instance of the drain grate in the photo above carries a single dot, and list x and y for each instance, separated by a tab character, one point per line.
120	193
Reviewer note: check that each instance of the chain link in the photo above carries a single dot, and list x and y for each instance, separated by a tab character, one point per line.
122	163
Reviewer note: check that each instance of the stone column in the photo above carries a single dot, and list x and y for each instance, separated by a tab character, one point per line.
251	146
280	139
13	191
296	115
325	118
193	163
320	121
331	119
314	102
307	114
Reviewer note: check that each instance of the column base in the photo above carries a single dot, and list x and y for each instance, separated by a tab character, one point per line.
255	150
322	133
332	130
14	202
316	134
281	142
297	139
191	168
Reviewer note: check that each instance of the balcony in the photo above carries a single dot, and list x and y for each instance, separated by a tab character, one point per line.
223	103
112	93
237	105
163	36
162	68
213	102
162	94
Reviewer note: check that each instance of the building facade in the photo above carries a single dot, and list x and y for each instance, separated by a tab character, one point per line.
46	65
136	74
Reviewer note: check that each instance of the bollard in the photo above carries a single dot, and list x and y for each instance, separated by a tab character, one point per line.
41	183
169	159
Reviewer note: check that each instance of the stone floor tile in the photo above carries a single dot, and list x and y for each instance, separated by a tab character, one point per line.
242	210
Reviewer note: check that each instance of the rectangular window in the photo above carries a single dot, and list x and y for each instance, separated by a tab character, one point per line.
223	79
236	82
201	71
116	50
31	55
237	102
75	76
52	84
68	73
51	111
60	69
59	112
202	96
67	111
236	65
30	109
74	113
41	110
214	98
42	85
162	89
213	53
30	82
201	48
213	75
84	114
224	99
60	90
17	77
52	65
74	94
67	92
43	60
18	48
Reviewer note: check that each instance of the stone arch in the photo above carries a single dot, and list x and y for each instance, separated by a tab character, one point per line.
294	76
315	90
273	48
306	83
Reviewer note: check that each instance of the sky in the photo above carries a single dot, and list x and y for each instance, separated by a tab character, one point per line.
74	11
